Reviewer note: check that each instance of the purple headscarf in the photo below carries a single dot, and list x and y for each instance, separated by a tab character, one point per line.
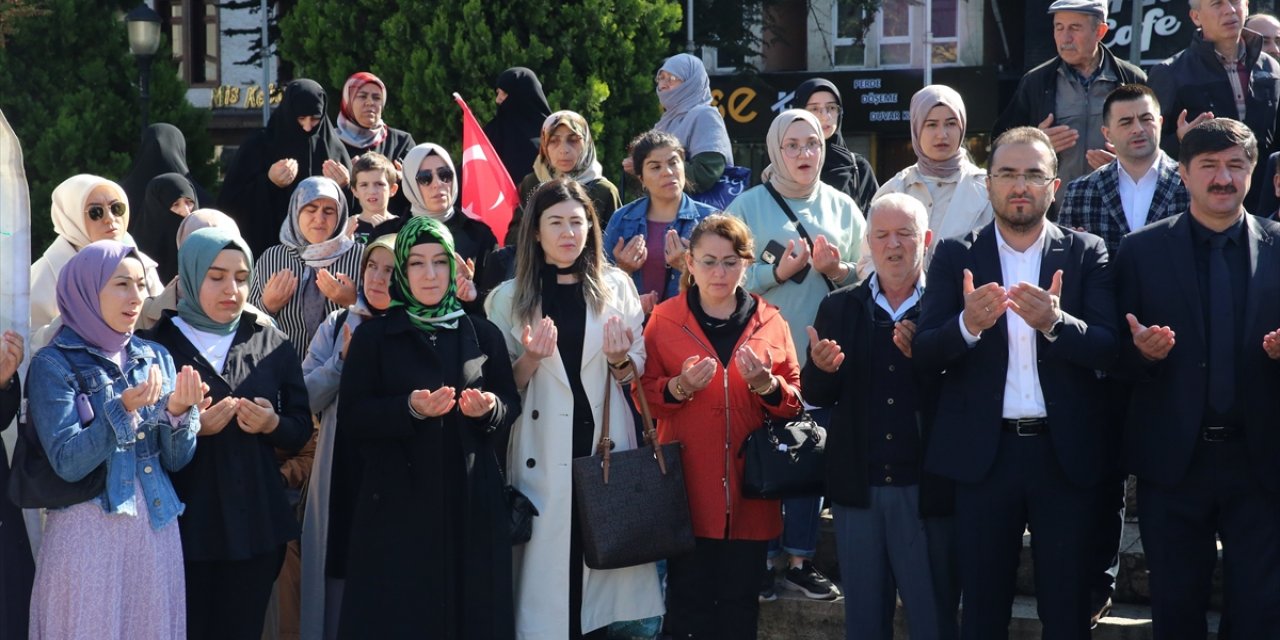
80	284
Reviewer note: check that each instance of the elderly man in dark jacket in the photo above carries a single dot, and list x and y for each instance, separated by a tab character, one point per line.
1064	95
1222	73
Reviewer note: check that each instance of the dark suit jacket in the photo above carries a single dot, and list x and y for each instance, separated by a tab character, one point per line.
844	317
1157	282
966	432
1092	201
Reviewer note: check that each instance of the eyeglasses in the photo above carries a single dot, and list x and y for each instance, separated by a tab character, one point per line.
830	111
97	211
1033	179
710	264
793	150
425	176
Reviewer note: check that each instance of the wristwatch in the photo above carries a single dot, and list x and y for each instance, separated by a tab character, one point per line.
1054	330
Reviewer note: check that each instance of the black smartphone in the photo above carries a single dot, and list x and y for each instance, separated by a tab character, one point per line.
774	251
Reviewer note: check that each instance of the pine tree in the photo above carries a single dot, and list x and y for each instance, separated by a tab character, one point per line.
71	94
596	57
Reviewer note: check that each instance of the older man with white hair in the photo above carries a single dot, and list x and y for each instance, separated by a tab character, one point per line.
893	522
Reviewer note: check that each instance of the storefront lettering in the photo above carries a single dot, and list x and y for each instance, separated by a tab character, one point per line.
227	96
736	107
879	98
1153	21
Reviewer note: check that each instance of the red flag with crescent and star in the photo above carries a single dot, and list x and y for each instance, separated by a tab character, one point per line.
488	192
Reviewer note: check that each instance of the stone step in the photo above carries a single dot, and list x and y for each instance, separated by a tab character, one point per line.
794	617
1132	583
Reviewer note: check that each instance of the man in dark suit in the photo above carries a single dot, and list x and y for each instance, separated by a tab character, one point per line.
1140	187
1201	431
1018	316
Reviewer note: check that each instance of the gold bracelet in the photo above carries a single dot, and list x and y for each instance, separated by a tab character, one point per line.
773	381
684	395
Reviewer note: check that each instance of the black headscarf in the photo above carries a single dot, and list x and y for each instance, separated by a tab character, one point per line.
516	129
842	169
256	204
163	150
162	223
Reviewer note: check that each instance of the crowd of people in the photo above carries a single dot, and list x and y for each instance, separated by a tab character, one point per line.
300	409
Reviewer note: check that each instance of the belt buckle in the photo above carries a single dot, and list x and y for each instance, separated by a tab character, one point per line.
1018	426
1214	434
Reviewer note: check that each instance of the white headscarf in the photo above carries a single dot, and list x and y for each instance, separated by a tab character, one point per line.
69	200
409	180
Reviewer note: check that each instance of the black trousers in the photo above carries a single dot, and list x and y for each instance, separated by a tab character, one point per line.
227	600
1026	487
1180	525
714	591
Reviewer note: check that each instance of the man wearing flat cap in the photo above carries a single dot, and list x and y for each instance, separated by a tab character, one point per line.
1222	73
1064	95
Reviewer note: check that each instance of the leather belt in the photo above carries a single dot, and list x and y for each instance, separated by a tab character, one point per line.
1025	426
1218	433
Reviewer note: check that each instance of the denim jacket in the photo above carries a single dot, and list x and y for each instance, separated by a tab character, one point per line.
146	453
633	220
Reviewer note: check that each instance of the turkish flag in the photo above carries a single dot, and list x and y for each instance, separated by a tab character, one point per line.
488	192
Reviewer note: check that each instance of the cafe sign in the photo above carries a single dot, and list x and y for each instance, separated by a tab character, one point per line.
245	97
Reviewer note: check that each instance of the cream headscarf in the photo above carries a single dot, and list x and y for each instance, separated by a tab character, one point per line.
409	180
587	170
776	173
205	219
921	103
69	200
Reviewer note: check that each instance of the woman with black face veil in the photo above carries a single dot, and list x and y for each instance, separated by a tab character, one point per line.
298	142
843	169
516	130
163	150
170	198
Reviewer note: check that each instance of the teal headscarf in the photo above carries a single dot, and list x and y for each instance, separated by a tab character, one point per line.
194	259
444	314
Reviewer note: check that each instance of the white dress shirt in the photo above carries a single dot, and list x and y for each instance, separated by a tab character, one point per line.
1022	395
1135	197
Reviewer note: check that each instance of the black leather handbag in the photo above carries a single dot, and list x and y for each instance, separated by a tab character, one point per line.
784	459
522	514
33	484
632	505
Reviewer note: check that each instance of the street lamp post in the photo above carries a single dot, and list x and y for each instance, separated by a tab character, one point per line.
144	40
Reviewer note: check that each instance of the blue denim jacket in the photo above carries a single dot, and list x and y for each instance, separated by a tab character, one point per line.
146	454
633	220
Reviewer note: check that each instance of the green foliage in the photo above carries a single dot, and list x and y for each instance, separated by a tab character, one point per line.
596	57
72	97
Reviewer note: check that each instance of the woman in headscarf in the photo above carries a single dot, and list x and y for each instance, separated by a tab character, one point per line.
326	521
795	274
163	150
85	209
111	566
360	126
516	127
572	325
426	396
647	237
685	93
952	188
237	519
841	168
170	198
298	142
430	182
567	151
155	307
313	271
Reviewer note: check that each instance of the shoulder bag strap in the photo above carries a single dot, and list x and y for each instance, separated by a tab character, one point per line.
777	197
605	446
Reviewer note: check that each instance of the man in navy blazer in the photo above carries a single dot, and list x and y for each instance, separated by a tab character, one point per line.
1201	294
1019	317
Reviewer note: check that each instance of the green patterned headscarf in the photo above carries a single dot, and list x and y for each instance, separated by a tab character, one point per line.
425	230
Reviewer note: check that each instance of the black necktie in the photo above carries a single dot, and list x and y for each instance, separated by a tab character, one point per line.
1222	326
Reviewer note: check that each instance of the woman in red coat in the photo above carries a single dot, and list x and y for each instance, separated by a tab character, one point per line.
721	359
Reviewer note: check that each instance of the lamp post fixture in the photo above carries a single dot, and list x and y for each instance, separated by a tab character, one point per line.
144	40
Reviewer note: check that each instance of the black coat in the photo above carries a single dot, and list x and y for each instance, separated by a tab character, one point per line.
844	318
1037	92
232	488
430	538
17	570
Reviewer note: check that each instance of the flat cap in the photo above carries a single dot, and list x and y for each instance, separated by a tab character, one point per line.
1097	8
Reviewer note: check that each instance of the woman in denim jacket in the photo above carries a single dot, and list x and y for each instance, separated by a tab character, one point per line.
111	567
649	237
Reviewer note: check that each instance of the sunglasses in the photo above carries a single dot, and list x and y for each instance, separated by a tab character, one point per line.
97	211
425	176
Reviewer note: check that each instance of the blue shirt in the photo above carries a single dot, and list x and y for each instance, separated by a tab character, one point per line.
632	220
145	454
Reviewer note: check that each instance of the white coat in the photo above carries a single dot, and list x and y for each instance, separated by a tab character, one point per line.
539	464
963	205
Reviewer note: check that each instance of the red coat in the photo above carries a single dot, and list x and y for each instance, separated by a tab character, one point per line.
712	424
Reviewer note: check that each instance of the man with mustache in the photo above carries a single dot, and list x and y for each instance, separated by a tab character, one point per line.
1201	295
1222	73
1140	187
1017	317
1064	95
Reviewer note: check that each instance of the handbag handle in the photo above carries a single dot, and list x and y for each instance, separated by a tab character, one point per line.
605	445
650	432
